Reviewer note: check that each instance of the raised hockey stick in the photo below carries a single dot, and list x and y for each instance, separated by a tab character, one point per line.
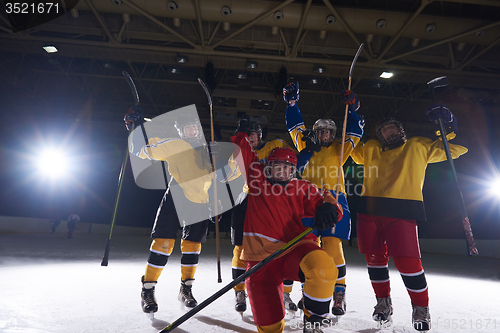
216	215
337	188
135	95
236	281
433	84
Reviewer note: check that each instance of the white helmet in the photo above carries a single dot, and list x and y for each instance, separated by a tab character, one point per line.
182	122
325	124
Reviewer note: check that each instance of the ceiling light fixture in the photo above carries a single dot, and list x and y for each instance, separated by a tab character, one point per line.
278	15
251	64
381	24
386	75
172	5
182	59
50	49
225	11
242	76
319	69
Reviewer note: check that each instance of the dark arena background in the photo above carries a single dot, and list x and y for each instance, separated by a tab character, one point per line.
74	100
62	142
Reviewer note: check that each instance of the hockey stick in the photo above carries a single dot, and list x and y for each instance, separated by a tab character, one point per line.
105	258
433	84
236	281
216	215
135	95
345	123
136	99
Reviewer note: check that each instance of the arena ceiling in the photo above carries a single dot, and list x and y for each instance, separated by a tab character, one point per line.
246	51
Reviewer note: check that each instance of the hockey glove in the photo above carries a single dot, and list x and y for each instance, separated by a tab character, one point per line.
291	93
326	216
311	140
243	125
349	97
436	111
134	115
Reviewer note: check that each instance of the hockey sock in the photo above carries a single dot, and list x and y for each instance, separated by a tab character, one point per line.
276	327
378	270
189	260
414	279
287	286
160	250
238	267
320	276
333	246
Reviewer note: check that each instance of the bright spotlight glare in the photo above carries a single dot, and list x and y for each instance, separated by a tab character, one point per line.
495	187
52	163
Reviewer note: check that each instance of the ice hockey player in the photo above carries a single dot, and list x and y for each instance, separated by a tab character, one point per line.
182	168
262	149
321	170
276	204
391	204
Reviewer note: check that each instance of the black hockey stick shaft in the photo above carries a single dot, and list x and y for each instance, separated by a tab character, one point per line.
105	258
135	94
236	281
441	82
337	189
216	204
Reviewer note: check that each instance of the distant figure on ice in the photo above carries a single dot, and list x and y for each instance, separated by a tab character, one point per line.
73	219
55	224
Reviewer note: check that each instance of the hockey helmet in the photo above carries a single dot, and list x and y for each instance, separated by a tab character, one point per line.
393	139
281	166
325	124
255	128
194	130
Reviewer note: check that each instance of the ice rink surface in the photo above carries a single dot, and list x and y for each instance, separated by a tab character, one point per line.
49	283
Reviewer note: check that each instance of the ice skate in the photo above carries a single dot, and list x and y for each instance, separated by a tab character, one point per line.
314	324
240	301
383	310
148	299
290	306
421	318
186	294
339	304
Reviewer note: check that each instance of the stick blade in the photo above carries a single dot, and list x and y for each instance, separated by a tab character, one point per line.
355	58
132	86
441	81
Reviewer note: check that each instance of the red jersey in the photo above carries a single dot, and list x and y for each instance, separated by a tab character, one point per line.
274	212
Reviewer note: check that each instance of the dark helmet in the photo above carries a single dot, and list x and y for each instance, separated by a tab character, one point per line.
281	156
255	128
394	140
182	122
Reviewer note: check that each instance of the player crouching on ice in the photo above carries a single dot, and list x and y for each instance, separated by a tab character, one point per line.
276	204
